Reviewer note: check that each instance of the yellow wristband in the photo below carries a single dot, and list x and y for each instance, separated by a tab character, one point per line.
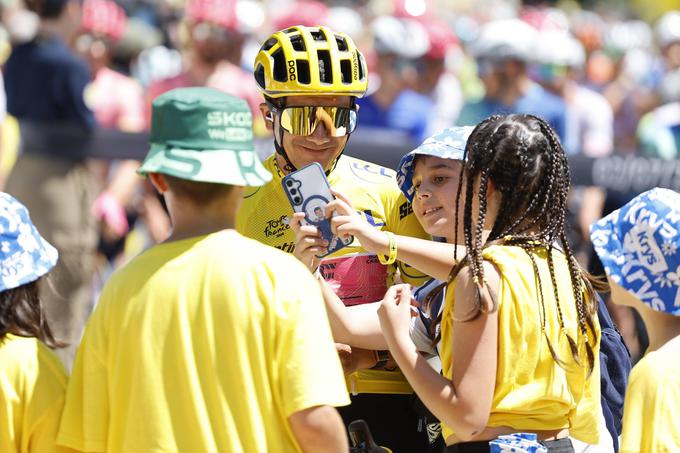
393	250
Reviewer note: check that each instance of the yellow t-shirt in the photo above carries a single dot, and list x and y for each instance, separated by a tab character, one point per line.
32	387
202	345
376	196
651	413
533	392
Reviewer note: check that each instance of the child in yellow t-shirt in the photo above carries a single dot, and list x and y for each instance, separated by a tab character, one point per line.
639	246
518	329
209	341
32	379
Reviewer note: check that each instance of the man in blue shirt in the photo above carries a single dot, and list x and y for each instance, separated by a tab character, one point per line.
45	86
399	43
503	51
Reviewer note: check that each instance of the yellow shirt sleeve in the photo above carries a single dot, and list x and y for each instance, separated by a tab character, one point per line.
309	367
652	407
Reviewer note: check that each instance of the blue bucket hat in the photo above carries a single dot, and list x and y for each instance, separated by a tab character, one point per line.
447	144
24	255
639	246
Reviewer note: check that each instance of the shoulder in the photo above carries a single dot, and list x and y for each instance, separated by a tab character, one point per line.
16	348
32	359
272	185
504	255
655	373
466	290
255	257
353	171
57	54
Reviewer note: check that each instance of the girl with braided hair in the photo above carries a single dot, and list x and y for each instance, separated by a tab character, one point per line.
519	330
519	333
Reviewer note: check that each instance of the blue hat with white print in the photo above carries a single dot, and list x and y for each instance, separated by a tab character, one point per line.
24	255
517	443
447	144
639	246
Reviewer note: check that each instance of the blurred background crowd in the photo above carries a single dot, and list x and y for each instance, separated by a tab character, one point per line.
605	74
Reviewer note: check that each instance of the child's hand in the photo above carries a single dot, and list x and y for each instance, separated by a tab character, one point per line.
395	314
308	242
347	222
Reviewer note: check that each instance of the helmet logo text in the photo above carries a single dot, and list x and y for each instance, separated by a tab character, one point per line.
291	70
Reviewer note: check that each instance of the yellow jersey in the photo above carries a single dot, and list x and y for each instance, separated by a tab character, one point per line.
354	274
32	388
205	345
532	391
651	412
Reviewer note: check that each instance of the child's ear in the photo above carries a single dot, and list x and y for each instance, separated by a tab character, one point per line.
159	182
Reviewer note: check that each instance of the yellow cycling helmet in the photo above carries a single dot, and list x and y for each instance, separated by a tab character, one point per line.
314	61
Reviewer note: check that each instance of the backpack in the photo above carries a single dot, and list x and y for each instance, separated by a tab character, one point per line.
615	366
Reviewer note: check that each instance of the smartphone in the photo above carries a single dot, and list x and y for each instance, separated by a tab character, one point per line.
308	191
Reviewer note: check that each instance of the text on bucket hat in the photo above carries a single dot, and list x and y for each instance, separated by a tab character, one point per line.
446	144
201	134
639	246
24	255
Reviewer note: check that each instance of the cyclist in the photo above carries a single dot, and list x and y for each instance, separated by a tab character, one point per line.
305	74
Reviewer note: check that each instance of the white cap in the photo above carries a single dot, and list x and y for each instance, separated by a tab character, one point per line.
406	38
667	30
505	39
559	48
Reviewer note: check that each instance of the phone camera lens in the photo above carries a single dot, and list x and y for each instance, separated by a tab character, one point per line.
289	183
293	191
297	200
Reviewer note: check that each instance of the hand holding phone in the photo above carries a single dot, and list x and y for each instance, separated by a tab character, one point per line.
308	191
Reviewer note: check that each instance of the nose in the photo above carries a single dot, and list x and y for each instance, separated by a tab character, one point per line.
320	133
423	192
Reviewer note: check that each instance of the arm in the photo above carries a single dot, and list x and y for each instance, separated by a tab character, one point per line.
319	429
432	258
357	326
353	359
464	402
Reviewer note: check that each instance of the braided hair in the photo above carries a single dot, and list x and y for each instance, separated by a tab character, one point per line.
524	159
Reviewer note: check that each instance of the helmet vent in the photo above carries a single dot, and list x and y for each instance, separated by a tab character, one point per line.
303	75
298	43
346	71
342	44
280	73
325	67
318	35
268	44
259	75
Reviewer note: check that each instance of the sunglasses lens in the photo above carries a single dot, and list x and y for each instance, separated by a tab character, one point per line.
338	121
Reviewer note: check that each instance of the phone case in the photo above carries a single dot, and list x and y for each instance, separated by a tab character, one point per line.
308	191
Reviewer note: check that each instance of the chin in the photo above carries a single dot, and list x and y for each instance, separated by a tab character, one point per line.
439	229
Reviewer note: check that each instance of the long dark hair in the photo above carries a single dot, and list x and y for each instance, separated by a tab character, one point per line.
22	314
523	157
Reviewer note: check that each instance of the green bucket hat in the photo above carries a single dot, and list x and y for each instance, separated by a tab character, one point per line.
204	135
